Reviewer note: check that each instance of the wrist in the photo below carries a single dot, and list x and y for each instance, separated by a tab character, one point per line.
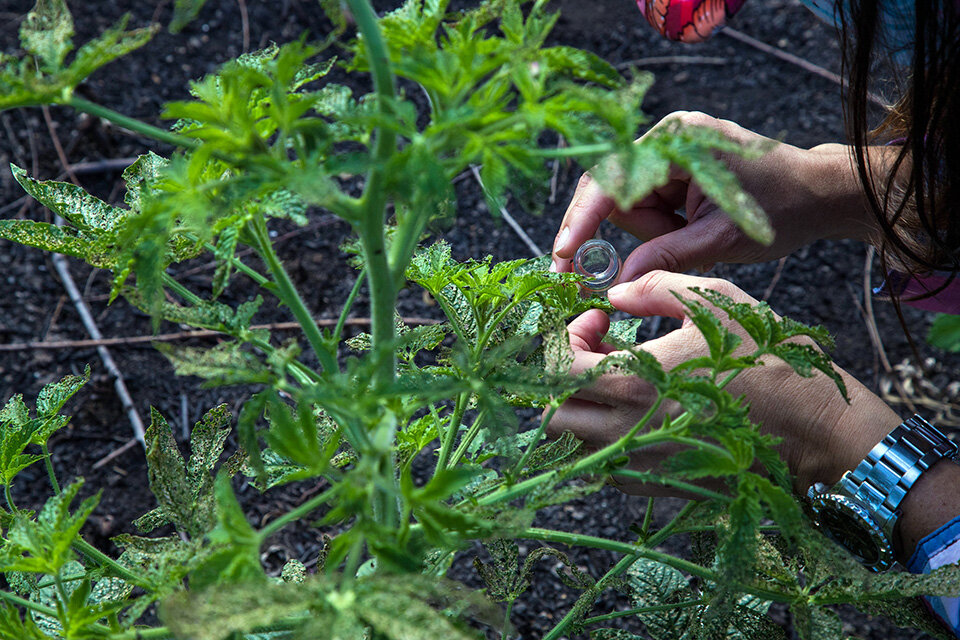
831	172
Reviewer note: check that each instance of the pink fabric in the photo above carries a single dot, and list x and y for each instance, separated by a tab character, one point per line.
688	20
910	289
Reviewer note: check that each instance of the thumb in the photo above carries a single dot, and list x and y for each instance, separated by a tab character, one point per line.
689	247
652	294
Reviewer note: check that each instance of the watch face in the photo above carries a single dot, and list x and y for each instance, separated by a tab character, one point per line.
850	525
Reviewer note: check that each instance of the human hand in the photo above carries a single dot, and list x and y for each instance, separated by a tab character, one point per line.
822	436
807	195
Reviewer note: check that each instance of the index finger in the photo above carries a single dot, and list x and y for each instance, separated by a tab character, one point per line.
588	208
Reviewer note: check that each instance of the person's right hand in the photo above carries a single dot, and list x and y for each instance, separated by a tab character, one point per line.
807	195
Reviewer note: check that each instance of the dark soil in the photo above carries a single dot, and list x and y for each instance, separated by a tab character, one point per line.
821	284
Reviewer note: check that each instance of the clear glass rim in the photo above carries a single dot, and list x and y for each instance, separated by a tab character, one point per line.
597	281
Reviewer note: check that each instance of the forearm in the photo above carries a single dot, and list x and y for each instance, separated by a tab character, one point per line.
830	170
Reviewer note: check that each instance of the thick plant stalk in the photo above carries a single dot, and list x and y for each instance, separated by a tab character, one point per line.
383	292
371	228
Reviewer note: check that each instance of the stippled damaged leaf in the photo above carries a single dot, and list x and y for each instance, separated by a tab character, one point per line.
652	583
225	364
813	622
47	33
184	491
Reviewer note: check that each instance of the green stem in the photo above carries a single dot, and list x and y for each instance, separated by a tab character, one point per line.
239	265
670	482
29	605
506	621
647	519
342	320
105	561
641	610
592	594
670	528
295	514
131	124
566	152
289	295
575	539
468	438
584	464
49	464
9	497
451	435
383	292
522	462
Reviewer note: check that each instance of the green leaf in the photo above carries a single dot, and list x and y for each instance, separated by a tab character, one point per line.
141	178
185	12
237	558
54	395
944	332
652	583
224	364
693	149
582	65
113	43
46	33
43	545
184	491
816	623
49	237
13	627
804	358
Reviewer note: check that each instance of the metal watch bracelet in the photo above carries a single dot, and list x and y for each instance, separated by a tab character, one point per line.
882	479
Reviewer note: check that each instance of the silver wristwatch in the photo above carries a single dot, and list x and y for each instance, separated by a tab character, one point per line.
861	511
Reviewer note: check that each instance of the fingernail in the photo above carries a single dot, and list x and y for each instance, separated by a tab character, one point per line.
553	266
561	239
619	290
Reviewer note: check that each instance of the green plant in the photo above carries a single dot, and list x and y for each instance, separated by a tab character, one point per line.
268	138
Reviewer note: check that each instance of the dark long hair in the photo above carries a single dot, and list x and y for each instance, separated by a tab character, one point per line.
916	199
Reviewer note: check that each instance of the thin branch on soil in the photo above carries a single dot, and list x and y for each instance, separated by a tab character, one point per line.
116	453
655	60
187	335
102	166
775	279
527	240
555	174
245	24
806	65
63	270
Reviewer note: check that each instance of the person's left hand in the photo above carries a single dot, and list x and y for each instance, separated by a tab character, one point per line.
822	436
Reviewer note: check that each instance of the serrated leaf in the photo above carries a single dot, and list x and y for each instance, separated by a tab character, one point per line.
816	623
54	395
225	364
582	65
72	203
185	12
43	545
46	33
652	583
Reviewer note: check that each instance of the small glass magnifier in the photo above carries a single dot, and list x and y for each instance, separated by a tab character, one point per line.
597	261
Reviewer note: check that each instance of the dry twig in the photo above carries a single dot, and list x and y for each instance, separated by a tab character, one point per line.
63	270
806	65
186	335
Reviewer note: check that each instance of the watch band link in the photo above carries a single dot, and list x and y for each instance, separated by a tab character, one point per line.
882	479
